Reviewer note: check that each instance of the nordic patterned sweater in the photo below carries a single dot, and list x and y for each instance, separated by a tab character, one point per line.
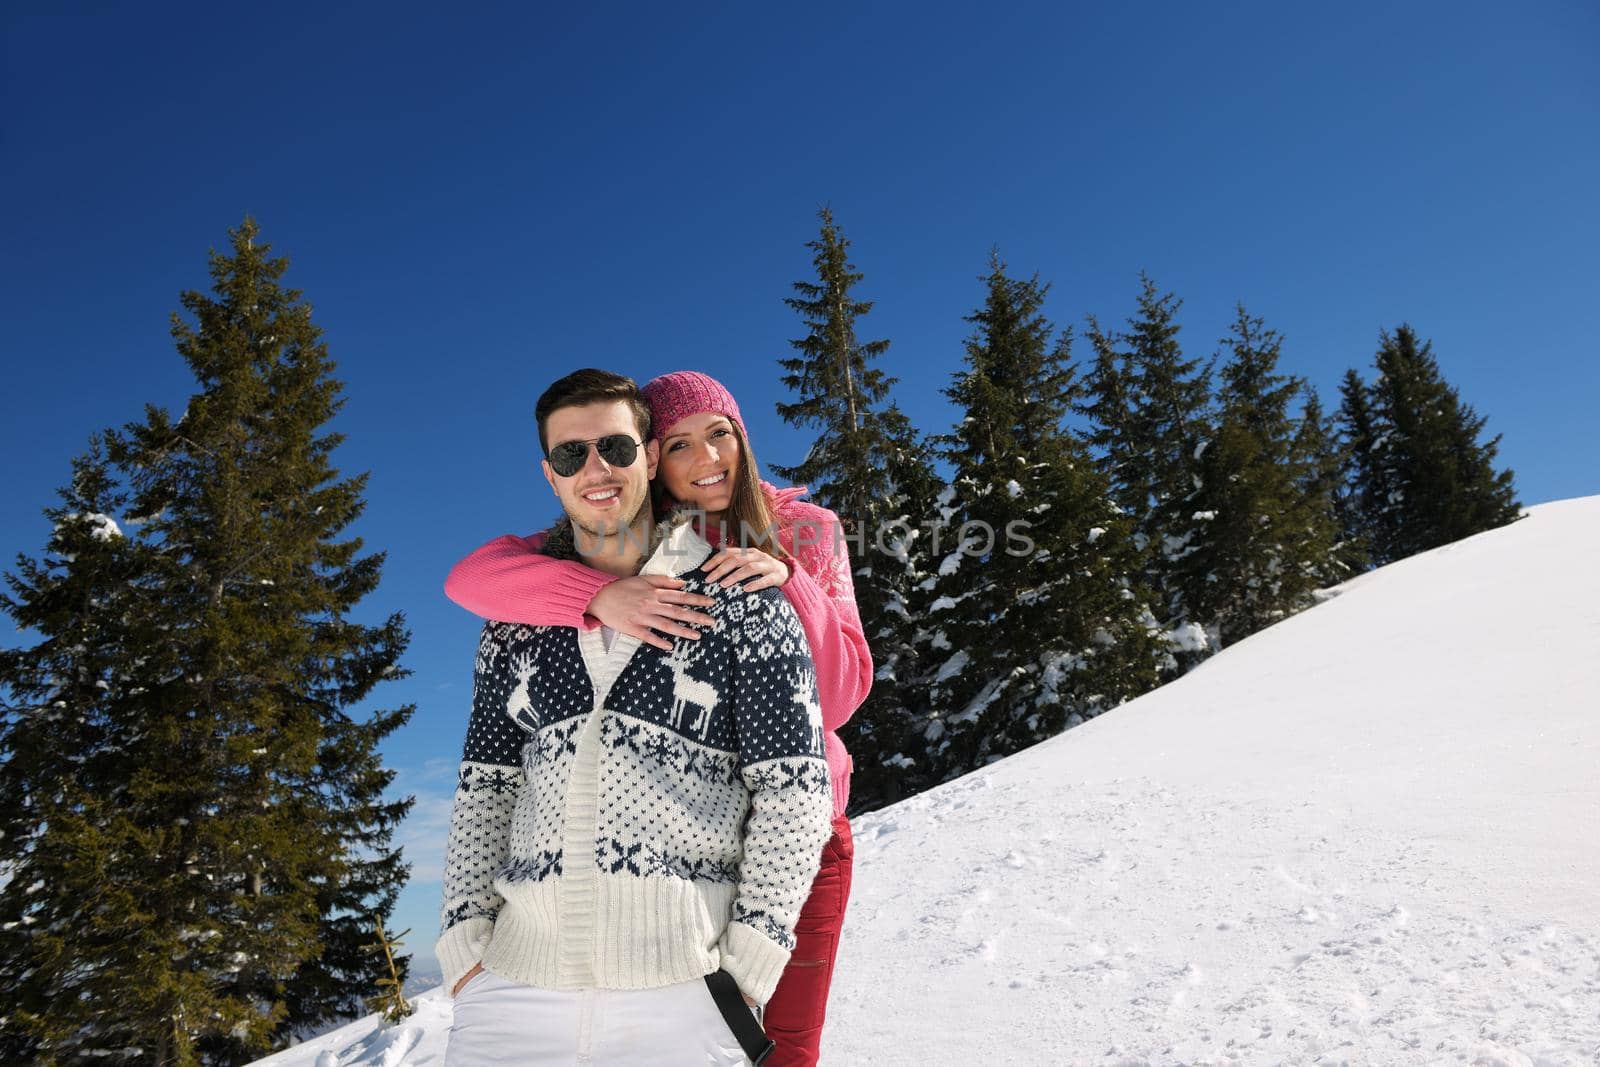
513	579
634	818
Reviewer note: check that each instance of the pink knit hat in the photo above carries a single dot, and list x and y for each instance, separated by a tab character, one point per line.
674	397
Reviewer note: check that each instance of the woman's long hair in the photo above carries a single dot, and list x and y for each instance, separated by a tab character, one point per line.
749	520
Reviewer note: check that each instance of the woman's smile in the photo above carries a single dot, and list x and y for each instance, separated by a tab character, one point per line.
700	462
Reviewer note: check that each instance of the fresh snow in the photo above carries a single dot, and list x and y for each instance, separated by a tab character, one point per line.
976	706
1366	835
1189	637
952	667
1176	548
105	527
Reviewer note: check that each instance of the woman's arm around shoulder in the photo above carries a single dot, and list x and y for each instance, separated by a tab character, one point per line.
510	581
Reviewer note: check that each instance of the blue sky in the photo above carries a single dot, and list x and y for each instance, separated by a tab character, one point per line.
476	200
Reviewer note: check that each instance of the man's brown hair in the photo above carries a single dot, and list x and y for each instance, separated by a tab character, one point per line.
592	386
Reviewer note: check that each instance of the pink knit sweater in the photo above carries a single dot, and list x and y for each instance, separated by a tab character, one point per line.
508	580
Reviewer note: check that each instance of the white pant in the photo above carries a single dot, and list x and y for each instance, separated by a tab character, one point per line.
501	1023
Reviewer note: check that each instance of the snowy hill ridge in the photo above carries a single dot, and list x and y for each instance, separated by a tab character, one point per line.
1366	835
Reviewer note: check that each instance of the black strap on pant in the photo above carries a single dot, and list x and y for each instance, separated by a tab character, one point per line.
740	1019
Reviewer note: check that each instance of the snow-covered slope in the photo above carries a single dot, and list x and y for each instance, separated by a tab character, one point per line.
1368	835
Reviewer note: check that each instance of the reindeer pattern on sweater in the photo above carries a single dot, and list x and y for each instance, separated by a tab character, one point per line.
698	770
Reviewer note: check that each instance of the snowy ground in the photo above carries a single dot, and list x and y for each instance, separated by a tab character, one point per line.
1369	835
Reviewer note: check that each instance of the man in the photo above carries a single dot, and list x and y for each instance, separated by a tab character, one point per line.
635	829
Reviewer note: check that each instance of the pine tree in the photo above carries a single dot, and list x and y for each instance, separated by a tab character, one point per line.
894	588
218	887
66	741
1108	404
390	1001
1365	501
836	383
1426	480
1320	460
1039	622
869	466
1150	410
1253	539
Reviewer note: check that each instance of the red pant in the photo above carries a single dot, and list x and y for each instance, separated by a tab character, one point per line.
794	1015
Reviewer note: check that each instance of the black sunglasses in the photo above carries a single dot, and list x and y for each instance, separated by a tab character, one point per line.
617	449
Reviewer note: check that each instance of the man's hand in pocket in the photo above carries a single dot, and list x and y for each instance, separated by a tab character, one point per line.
476	967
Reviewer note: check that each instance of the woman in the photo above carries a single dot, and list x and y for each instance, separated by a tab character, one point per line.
707	466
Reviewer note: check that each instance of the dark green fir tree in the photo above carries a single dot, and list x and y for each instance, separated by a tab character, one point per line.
1365	494
1256	536
214	882
71	729
1150	414
869	466
1040	621
1423	476
1107	401
1320	459
837	384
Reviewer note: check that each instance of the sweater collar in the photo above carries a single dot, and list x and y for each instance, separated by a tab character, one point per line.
675	547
